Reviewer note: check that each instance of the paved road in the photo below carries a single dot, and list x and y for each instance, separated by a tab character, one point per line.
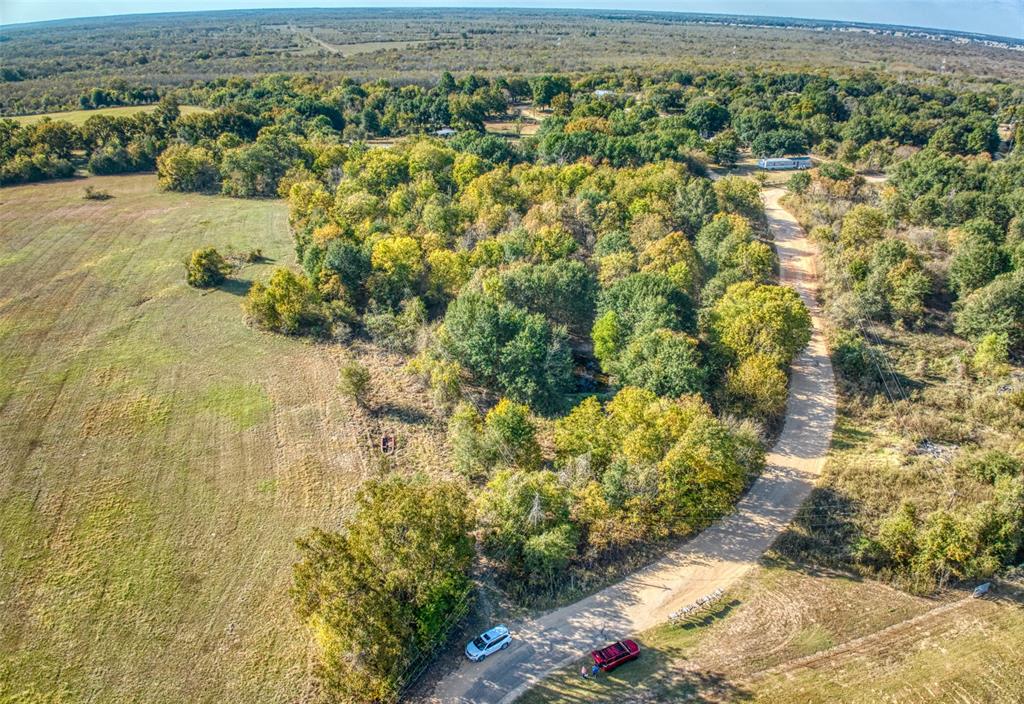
718	556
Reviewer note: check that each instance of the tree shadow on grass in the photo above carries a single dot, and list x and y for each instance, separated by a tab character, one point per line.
236	287
401	412
820	537
845	437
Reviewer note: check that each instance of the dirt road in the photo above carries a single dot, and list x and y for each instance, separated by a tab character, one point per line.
718	556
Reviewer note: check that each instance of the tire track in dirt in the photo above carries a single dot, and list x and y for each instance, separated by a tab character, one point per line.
858	645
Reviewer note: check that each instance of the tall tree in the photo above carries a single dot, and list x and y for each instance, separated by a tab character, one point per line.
382	590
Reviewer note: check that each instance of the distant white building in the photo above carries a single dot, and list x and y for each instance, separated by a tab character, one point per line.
445	132
601	92
784	163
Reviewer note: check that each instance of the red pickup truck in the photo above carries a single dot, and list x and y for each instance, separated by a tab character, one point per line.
610	657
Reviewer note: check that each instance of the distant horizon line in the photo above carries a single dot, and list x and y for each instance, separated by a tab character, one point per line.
850	23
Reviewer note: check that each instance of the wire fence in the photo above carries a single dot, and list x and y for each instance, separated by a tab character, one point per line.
414	671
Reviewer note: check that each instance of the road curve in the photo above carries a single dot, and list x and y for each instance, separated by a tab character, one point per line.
719	555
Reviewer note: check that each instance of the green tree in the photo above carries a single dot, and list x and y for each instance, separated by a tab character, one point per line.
563	291
702	474
206	268
184	168
706	116
354	381
975	262
739	195
762	319
398	269
608	337
514	351
517	506
757	387
585	431
862	225
512	434
647	301
287	304
665	362
546	87
997	307
723	148
546	555
382	591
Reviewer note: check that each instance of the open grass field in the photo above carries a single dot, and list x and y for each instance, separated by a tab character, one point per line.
78	117
970	652
874	644
158	457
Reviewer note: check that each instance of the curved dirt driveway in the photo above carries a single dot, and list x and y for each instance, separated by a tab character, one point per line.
718	556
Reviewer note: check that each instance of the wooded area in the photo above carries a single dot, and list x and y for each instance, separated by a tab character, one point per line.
599	323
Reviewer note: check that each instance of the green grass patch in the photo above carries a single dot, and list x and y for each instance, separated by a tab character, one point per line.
812	639
244	404
78	117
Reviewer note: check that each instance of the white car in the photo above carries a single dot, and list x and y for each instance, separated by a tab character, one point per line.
492	641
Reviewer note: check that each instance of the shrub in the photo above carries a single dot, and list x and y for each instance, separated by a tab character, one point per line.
992	354
287	304
354	381
91	193
990	465
799	182
997	307
397	331
834	171
852	356
206	268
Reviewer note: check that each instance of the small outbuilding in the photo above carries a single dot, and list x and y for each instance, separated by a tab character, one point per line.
785	162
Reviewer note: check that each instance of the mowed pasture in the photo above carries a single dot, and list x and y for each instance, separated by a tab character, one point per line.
78	117
784	636
159	457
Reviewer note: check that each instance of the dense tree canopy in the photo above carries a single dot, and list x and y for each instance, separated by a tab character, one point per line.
384	589
758	319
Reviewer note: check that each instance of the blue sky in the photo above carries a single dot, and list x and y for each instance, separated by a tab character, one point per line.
999	17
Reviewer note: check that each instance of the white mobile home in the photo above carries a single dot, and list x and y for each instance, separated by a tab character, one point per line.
783	163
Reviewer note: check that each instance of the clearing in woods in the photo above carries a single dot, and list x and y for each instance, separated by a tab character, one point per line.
158	456
78	117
